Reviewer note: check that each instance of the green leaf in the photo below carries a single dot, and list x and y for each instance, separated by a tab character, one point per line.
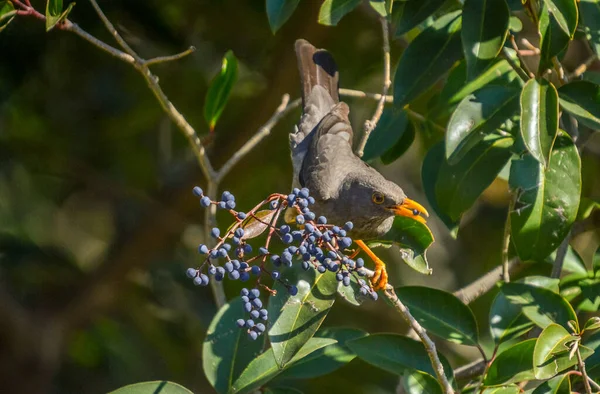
388	131
295	319
428	57
478	115
416	382
593	362
589	299
551	354
547	200
541	306
400	146
557	385
441	313
407	15
512	389
539	118
7	14
156	387
582	100
281	390
514	364
325	360
459	185
332	11
54	14
351	293
220	89
485	26
227	350
554	39
279	11
264	368
565	13
592	324
572	263
590	19
396	354
430	175
413	238
380	6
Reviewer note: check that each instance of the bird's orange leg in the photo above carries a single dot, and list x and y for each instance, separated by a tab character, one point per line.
380	279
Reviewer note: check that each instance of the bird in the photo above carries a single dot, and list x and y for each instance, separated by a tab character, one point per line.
344	187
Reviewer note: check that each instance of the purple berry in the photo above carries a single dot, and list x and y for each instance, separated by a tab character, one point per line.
253	335
197	191
215	232
241	215
255	270
191	272
205	202
203	249
293	290
275	275
240	323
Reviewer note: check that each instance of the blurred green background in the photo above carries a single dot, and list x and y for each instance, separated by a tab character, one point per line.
97	219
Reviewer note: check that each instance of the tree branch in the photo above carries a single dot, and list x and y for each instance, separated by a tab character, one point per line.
585	378
476	368
164	59
485	283
560	257
372	123
514	65
111	29
506	240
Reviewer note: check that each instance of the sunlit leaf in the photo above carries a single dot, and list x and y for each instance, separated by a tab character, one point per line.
332	11
592	324
557	385
7	14
551	354
220	89
156	387
279	11
557	23
417	382
514	364
55	13
409	14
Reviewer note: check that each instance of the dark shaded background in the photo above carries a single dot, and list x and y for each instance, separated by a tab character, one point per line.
97	219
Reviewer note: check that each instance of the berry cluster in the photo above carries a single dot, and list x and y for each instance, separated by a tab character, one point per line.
311	241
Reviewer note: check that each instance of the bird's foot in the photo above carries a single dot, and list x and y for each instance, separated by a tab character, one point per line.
380	279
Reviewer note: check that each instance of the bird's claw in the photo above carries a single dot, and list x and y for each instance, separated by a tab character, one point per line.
380	278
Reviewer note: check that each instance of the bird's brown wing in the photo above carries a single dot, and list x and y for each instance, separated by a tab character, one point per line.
319	79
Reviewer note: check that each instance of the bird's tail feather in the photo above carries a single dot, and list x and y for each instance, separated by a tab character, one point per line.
317	68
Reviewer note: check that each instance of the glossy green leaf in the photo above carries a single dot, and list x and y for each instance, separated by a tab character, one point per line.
582	100
459	185
295	319
557	385
388	131
441	313
413	238
589	299
417	382
477	115
382	7
279	11
566	14
156	387
396	354
485	26
401	146
351	293
281	390
572	262
428	57
590	20
430	174
506	320
539	118
514	364
55	14
551	354
325	360
332	11
512	389
541	306
554	39
407	15
264	368
547	200
219	90
227	350
593	361
7	14
592	324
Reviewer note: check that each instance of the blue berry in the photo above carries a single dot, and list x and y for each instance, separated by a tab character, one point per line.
327	237
260	327
292	249
247	307
293	290
303	203
276	260
191	272
284	229
345	242
300	219
244	276
346	281
236	264
247	249
239	232
311	200
245	299
360	262
240	323
303	193
212	270
235	275
309	228
230	204
287	238
228	266
291	198
203	249
215	232
331	254
249	323
348	226
254	293
305	265
339	277
255	270
226	196
321	269
342	233
364	290
309	216
235	240
297	235
374	295
257	303
205	202
262	250
263	312
197	191
254	314
227	247
275	275
322	220
335	229
214	253
241	215
286	258
253	335
222	204
222	252
295	190
273	204
334	267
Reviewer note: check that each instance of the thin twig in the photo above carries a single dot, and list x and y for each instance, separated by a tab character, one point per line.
560	257
485	283
111	29
284	108
521	60
164	59
470	370
74	28
560	71
514	65
427	342
8	15
583	67
209	222
372	123
586	379
506	240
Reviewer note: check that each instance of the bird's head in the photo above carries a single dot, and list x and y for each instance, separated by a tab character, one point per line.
377	198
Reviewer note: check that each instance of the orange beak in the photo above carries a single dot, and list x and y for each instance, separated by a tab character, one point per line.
410	209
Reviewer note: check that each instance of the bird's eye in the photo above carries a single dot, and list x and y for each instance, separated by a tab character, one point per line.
377	198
